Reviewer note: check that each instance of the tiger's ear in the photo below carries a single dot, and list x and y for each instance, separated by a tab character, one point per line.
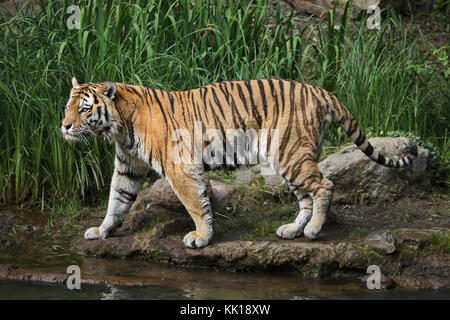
109	90
75	83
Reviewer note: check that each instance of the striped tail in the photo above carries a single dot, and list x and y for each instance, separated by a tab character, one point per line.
351	127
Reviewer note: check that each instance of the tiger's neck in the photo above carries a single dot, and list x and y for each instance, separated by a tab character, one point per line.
133	121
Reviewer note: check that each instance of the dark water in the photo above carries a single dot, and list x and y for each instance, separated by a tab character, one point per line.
16	290
148	281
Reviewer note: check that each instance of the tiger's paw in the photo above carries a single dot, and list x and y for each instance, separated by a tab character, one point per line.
311	231
289	231
194	240
94	233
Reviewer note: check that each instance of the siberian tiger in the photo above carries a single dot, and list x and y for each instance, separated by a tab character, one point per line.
144	122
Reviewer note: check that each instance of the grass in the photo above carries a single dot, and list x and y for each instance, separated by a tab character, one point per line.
436	243
256	211
381	76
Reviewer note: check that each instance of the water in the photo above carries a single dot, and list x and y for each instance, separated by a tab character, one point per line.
142	280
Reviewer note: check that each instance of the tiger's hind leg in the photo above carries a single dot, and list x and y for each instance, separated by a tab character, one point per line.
295	229
321	191
305	176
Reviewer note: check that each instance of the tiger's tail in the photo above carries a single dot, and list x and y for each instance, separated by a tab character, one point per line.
341	114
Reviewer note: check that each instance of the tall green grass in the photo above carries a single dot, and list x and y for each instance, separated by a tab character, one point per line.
182	44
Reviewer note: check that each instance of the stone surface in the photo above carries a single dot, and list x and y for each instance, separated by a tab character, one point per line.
314	259
357	178
7	223
381	241
244	176
220	193
321	7
413	239
160	194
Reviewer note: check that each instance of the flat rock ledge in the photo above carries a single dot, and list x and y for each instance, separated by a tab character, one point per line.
312	259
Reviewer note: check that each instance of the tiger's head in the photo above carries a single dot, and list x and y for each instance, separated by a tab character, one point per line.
90	111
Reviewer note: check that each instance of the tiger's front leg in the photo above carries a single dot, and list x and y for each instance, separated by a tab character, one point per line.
189	185
125	185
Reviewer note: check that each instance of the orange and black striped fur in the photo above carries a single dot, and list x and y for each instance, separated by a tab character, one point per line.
142	121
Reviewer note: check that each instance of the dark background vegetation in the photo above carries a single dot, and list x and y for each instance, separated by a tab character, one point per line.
394	80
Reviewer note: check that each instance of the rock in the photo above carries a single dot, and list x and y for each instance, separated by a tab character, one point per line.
321	7
381	241
172	226
432	282
7	223
312	259
244	176
160	194
15	228
413	239
220	193
357	178
139	219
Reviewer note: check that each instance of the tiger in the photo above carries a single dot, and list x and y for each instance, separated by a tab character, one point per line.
141	122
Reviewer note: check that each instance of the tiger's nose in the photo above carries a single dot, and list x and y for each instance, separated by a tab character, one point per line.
67	126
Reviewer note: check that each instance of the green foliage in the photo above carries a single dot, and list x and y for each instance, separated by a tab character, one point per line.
441	10
438	242
165	44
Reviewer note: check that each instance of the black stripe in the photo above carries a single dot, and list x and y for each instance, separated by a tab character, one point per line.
235	110
304	197
353	127
131	175
369	150
120	200
276	110
216	100
361	138
160	105
193	105
263	96
134	90
121	159
106	114
280	82
242	97
172	104
99	111
127	195
203	97
226	94
414	151
130	129
255	112
381	159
